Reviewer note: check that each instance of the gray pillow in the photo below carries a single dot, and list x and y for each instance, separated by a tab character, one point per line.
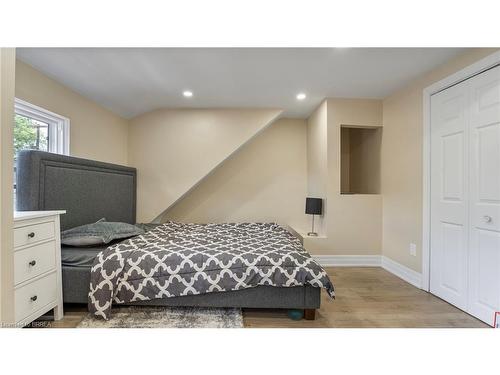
99	233
147	226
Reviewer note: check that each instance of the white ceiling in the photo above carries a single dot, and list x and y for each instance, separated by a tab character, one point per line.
133	81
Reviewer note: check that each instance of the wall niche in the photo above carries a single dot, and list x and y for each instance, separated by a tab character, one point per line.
360	159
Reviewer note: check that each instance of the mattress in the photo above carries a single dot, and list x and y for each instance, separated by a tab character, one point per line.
81	257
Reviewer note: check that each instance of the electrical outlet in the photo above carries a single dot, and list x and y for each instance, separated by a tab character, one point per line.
413	249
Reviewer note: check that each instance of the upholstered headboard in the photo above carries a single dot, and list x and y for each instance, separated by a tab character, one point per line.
88	190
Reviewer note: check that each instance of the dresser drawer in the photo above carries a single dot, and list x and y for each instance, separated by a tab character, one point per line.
34	261
34	296
33	233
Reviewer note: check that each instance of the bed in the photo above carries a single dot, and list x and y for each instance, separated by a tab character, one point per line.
90	190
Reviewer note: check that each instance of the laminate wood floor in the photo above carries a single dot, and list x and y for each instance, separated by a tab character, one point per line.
366	297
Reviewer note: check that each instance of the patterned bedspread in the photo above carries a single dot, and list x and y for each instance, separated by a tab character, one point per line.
177	259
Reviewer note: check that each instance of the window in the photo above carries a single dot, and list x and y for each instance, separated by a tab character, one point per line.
36	128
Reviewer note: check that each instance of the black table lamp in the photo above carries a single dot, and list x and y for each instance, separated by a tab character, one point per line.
314	206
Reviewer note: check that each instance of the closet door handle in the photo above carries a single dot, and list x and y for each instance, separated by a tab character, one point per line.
487	219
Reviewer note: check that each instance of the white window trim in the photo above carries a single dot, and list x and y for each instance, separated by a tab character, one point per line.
58	125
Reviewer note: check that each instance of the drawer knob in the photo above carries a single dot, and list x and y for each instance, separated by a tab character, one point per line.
32	263
487	219
31	234
34	298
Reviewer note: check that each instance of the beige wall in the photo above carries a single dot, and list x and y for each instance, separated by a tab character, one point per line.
402	162
317	165
7	77
95	132
174	150
353	222
345	160
364	160
266	180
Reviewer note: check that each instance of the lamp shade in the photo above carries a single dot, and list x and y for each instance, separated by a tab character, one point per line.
314	206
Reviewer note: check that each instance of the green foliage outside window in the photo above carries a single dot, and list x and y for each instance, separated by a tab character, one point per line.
29	135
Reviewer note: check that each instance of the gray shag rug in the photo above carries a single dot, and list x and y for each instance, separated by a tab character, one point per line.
167	317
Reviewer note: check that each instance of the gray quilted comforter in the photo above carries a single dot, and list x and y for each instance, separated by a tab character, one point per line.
177	259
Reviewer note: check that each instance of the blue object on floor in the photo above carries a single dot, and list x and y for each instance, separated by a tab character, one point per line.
295	314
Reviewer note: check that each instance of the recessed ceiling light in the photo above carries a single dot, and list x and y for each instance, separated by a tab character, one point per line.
187	93
301	96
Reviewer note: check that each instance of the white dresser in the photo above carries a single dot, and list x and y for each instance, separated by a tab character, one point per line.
37	265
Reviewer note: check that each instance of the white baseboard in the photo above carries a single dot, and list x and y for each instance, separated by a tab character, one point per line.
348	260
403	272
397	269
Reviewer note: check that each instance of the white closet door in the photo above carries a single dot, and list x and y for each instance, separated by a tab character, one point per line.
484	248
449	195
